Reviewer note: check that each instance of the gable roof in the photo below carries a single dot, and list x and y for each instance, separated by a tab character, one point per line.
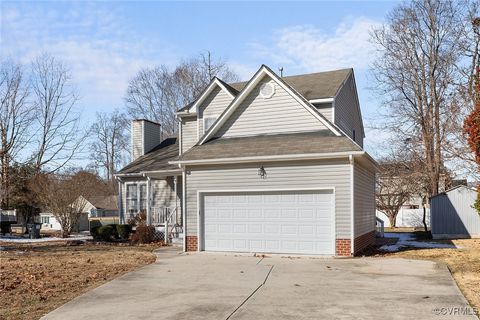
312	86
104	202
291	144
156	159
263	71
191	107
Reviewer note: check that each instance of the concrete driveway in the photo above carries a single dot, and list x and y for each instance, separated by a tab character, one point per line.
227	286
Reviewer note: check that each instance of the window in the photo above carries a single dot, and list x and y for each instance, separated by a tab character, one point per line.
353	135
207	123
136	198
45	220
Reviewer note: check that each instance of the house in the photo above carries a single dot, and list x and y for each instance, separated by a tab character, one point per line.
453	215
274	164
95	207
394	191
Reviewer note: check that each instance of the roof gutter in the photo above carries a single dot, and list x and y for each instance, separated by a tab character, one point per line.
126	175
185	113
323	100
308	156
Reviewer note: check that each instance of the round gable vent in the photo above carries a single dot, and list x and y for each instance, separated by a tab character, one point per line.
267	90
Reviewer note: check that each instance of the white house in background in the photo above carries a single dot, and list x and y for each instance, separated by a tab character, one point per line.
453	215
410	215
274	164
95	207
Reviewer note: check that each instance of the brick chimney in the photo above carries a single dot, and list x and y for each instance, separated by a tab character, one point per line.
145	137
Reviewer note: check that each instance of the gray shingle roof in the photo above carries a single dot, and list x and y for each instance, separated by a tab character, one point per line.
156	159
104	202
269	145
311	86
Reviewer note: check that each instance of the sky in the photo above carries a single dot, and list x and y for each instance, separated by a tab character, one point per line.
105	43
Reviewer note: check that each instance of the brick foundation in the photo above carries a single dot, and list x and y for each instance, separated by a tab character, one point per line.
192	243
343	248
364	241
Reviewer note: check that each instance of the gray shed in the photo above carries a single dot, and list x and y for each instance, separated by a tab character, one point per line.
452	214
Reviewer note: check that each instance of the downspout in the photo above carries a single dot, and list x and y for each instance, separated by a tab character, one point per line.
121	215
184	208
352	204
149	217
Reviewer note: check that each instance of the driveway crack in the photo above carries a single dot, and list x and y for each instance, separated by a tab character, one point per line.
251	294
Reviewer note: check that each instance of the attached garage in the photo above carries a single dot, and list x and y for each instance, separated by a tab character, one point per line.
296	221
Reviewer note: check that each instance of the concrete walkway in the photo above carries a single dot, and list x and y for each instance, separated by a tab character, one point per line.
227	286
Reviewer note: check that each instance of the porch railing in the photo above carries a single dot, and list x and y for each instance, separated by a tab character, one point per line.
163	214
167	217
380	224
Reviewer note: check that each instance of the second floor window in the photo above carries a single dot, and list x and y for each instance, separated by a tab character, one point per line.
136	198
207	123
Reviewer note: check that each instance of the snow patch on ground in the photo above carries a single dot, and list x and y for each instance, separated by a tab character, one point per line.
22	239
407	240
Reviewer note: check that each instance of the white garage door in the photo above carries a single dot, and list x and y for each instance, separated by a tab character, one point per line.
281	222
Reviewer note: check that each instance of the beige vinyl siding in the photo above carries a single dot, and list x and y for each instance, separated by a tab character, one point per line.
163	192
137	141
151	137
280	175
213	106
347	117
189	133
326	110
364	199
278	114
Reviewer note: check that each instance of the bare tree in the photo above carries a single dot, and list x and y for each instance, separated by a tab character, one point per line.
109	143
157	93
420	49
59	136
15	119
65	196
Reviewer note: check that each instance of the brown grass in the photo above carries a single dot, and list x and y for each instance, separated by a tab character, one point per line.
36	279
464	264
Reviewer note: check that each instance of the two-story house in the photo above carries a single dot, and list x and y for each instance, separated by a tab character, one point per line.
274	164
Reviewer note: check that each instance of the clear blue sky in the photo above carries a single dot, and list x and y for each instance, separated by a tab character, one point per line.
106	43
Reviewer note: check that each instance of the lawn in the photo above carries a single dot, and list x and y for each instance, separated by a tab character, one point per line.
463	262
38	278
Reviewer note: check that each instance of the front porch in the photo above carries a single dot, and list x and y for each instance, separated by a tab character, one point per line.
157	194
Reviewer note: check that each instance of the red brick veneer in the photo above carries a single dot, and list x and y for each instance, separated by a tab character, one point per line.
342	248
192	243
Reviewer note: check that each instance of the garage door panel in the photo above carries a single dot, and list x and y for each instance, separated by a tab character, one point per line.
287	222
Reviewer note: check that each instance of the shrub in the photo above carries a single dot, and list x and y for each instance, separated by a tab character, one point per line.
94	232
115	232
106	233
123	231
143	234
138	219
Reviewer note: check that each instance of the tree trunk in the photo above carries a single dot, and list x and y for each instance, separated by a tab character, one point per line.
393	221
424	215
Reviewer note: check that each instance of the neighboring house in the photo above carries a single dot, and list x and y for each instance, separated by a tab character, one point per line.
49	222
269	165
102	206
411	212
453	215
95	207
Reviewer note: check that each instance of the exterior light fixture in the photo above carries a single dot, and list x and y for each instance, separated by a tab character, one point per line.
262	173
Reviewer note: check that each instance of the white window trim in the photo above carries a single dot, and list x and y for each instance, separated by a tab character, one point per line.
138	197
